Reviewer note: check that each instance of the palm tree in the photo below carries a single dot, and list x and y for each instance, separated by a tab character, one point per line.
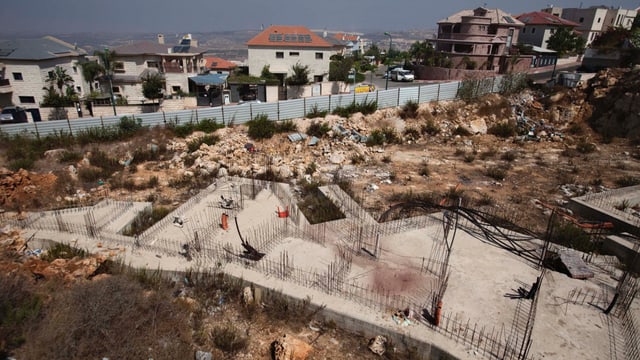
91	70
59	77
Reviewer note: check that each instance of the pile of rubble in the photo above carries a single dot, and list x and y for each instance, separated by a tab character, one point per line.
23	187
615	96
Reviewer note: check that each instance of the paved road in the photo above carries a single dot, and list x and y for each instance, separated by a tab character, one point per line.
379	82
544	76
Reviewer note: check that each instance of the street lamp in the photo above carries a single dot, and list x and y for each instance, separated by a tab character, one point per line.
109	76
386	85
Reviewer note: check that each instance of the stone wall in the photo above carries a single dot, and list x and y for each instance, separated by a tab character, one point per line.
442	74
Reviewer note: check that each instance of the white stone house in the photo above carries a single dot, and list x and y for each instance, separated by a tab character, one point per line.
595	20
281	47
539	26
25	65
132	62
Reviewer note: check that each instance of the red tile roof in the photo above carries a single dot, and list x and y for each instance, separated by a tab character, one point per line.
218	63
346	37
288	36
543	18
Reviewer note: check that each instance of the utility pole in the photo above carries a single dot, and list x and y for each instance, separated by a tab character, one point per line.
109	72
386	85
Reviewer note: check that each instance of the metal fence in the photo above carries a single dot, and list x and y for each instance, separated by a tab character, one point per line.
281	110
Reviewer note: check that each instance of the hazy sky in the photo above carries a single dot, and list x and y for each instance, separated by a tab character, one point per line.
183	16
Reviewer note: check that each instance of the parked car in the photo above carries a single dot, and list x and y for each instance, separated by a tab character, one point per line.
391	68
401	75
13	115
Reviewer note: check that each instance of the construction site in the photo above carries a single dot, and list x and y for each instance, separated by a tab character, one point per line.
454	240
454	281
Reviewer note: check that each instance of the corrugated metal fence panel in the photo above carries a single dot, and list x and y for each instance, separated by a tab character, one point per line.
408	94
81	124
320	103
387	98
214	113
340	100
486	86
151	119
365	98
449	91
269	109
51	127
13	129
237	114
292	109
428	93
497	84
110	121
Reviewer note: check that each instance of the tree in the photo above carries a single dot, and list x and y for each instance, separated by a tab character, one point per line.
300	75
373	50
565	41
266	73
91	70
339	68
152	86
58	77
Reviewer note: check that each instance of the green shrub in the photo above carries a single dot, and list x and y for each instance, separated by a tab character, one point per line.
286	126
261	127
26	163
209	139
411	133
510	155
424	170
208	125
409	110
316	113
376	138
430	128
585	147
366	108
311	168
318	129
63	251
90	174
571	236
357	159
129	126
503	129
70	157
146	219
496	172
469	157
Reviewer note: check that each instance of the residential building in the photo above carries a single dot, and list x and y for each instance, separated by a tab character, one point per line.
480	36
281	47
25	65
347	44
135	61
596	19
539	26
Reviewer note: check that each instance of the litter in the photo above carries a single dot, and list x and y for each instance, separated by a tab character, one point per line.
297	137
313	141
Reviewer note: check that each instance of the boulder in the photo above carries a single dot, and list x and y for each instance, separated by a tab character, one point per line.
336	158
203	355
378	345
288	347
247	295
478	126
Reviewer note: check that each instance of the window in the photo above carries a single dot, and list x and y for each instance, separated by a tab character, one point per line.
116	89
27	99
176	89
153	64
118	66
78	89
75	69
317	78
279	54
294	53
581	20
319	56
533	30
524	30
599	19
17	76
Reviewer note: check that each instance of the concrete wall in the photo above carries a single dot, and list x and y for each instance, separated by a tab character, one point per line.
317	89
593	21
258	57
439	73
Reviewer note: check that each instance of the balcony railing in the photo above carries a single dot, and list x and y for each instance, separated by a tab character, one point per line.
175	68
5	82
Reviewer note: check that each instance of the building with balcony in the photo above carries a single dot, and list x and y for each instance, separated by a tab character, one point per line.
135	61
25	65
594	20
478	39
540	26
282	47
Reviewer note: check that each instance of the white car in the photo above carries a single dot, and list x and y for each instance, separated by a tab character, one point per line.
401	75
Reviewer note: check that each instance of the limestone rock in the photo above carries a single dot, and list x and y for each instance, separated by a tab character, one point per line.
478	126
288	347
336	158
378	345
247	295
203	355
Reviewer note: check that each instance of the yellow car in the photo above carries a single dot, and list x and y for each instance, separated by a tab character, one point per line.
364	88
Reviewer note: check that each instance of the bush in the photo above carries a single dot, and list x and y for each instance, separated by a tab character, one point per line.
318	129
585	147
409	110
228	338
424	170
365	108
311	168
261	127
63	251
496	172
316	207
146	219
315	113
411	133
503	129
208	125
18	307
430	128
209	139
510	155
26	163
129	126
376	138
70	157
